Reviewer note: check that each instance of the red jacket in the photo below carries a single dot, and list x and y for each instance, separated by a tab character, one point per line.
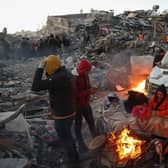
162	110
83	87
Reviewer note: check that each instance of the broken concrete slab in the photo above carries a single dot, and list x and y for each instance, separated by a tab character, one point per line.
8	116
13	162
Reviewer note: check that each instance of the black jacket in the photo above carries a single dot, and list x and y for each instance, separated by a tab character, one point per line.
61	90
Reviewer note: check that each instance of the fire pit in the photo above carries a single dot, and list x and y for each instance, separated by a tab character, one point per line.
125	149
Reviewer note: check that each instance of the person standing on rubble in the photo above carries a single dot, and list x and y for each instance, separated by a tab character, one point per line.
52	44
83	93
141	36
59	83
140	39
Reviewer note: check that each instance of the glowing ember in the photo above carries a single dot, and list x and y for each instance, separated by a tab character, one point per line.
127	147
140	87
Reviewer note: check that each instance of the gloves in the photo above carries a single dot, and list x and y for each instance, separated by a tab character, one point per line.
42	63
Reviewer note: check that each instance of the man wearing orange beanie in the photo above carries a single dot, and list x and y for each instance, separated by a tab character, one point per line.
59	84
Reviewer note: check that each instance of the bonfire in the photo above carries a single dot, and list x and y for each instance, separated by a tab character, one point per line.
127	146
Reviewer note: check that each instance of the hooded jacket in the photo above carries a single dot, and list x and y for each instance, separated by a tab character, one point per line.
83	84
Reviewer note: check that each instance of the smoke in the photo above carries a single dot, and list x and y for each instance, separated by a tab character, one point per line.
114	70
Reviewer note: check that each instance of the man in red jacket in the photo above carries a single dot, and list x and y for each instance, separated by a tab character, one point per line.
83	92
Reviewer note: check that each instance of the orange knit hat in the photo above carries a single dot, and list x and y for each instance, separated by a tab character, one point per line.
52	64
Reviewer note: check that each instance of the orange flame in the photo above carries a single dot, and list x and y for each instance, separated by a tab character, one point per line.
140	87
127	147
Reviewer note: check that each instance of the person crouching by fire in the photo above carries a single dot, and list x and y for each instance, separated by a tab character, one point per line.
59	84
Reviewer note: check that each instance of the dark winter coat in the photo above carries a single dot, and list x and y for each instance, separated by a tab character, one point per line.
61	91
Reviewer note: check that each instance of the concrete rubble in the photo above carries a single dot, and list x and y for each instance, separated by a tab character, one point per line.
109	42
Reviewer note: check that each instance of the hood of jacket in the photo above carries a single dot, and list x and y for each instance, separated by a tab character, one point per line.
83	67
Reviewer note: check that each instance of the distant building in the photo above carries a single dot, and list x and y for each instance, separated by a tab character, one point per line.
68	23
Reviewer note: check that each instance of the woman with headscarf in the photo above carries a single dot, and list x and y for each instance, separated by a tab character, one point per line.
157	114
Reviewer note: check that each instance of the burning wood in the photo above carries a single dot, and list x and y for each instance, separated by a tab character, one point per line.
120	148
127	149
126	146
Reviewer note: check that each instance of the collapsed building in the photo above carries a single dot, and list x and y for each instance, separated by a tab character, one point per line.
106	30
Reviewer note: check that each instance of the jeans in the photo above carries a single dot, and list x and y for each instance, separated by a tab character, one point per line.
63	128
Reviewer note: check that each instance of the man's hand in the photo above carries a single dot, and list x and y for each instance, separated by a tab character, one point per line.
42	63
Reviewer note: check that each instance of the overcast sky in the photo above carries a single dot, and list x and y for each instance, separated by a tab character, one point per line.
32	14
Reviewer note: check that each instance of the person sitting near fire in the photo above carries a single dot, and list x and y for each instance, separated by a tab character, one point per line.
155	119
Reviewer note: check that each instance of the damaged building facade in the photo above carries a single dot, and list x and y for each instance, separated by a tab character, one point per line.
68	23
